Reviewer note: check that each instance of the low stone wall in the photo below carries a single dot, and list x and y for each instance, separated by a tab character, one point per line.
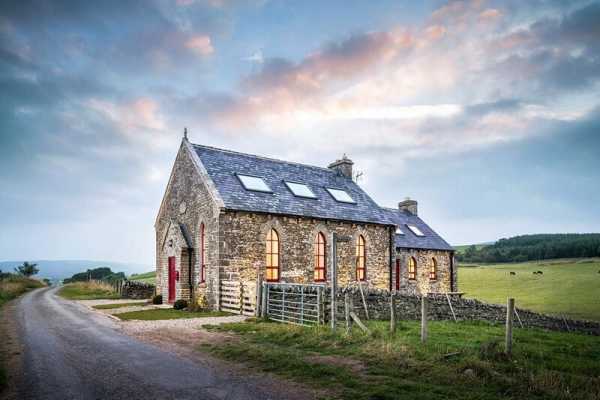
137	290
408	307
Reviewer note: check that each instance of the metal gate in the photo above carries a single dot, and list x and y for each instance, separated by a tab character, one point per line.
293	303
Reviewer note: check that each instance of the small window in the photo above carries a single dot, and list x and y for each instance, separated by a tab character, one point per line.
272	256
433	270
399	231
254	183
412	269
300	190
415	230
340	195
361	270
320	272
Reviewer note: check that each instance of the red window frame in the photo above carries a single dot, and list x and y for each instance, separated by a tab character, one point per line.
412	269
361	259
320	274
272	256
202	254
433	269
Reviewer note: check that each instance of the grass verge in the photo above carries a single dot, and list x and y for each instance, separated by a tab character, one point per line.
460	361
88	291
15	285
11	287
120	305
168	313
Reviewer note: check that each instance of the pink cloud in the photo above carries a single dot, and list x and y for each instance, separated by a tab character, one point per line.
200	45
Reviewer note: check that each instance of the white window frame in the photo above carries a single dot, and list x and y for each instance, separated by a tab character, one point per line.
331	191
241	179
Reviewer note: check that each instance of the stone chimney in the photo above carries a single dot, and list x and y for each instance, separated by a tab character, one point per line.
408	205
343	166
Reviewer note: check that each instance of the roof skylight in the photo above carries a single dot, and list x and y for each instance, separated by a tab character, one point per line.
254	183
415	230
340	195
300	190
399	231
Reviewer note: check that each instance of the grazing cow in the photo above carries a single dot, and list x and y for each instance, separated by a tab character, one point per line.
540	272
513	273
535	272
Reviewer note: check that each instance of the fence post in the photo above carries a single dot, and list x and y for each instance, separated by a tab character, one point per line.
424	318
319	301
392	313
263	308
347	312
258	294
510	310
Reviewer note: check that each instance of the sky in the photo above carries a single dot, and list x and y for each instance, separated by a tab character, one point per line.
487	113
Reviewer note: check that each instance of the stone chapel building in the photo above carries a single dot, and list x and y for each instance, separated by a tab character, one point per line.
229	218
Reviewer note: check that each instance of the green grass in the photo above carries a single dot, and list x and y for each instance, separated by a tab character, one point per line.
120	305
147	277
87	291
168	313
545	365
567	287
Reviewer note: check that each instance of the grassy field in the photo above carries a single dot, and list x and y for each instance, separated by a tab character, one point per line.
567	287
168	313
11	288
120	305
88	291
147	277
460	360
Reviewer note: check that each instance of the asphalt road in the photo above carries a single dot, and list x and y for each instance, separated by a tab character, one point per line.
72	353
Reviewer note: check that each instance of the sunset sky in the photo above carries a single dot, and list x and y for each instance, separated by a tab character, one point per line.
487	113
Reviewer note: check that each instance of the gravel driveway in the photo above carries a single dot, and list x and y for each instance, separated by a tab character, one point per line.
72	353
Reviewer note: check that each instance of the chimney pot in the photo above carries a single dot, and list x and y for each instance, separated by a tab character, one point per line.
343	166
408	205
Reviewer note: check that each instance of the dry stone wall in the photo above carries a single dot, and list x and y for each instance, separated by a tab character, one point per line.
137	290
408	307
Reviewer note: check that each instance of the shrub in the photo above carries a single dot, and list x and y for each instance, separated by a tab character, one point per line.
157	299
180	304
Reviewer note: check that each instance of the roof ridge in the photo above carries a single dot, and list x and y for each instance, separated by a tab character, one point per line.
262	157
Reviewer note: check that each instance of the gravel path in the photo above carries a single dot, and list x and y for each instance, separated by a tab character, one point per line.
72	353
91	303
133	326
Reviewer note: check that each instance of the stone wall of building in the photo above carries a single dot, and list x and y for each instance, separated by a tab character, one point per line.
422	283
188	202
242	248
408	307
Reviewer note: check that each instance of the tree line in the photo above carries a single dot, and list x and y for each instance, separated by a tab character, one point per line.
98	274
534	247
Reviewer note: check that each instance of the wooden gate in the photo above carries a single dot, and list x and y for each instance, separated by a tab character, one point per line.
238	298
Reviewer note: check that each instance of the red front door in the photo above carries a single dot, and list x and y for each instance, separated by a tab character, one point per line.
171	279
397	274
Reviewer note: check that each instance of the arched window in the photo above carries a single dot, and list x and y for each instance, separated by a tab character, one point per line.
433	270
272	256
412	268
361	271
202	254
320	271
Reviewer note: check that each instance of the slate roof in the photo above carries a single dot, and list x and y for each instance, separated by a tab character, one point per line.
431	240
222	166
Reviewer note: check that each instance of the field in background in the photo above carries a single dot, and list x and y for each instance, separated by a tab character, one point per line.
88	291
147	277
566	287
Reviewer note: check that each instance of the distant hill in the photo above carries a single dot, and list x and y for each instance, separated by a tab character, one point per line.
533	247
61	269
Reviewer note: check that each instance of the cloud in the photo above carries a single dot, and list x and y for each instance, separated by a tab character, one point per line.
200	44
